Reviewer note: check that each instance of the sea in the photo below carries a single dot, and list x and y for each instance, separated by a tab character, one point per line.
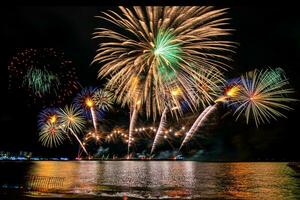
148	180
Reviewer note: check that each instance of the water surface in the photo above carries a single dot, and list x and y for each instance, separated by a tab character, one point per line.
151	179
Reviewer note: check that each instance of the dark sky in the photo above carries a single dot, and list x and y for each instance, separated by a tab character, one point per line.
267	36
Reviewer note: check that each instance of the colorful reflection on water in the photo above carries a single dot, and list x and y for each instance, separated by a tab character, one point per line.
152	179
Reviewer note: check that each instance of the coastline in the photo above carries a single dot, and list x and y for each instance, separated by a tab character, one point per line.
173	160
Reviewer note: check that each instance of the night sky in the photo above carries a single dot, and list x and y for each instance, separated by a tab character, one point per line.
267	36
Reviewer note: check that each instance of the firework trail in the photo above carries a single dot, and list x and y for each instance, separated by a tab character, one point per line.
90	136
94	118
117	133
175	96
198	123
159	133
133	119
82	146
230	91
135	107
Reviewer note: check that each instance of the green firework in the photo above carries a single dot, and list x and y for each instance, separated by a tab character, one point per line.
40	81
167	53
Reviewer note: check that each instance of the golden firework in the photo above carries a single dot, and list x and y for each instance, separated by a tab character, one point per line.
160	56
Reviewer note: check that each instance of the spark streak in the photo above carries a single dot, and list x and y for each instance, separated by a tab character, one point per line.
131	126
78	141
159	133
198	124
94	118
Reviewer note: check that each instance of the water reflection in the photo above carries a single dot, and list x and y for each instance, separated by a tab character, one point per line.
170	179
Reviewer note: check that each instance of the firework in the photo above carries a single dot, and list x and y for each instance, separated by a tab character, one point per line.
51	135
145	132
41	81
197	124
92	136
230	91
71	118
84	100
82	146
163	48
115	135
264	93
47	115
258	94
159	133
133	119
54	125
103	99
211	91
45	74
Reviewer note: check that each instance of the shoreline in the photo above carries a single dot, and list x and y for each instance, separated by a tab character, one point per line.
149	160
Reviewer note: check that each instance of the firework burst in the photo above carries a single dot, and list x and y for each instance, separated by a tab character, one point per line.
103	99
55	124
45	74
258	95
231	91
71	118
263	95
41	81
164	47
84	100
47	115
51	135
